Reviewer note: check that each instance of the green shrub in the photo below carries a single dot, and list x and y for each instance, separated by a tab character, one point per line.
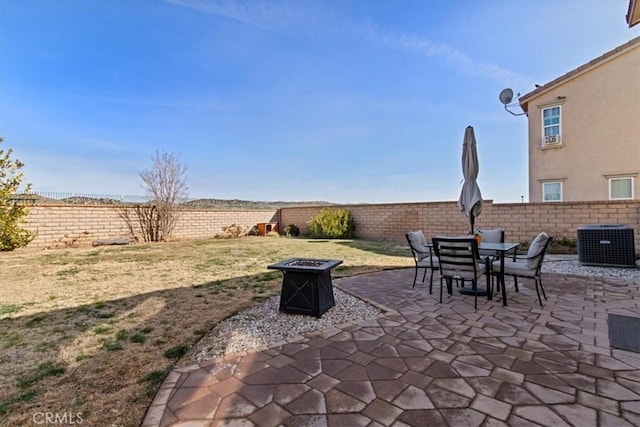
331	224
564	245
13	210
570	243
291	231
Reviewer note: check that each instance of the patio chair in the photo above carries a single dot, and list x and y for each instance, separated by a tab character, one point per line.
491	236
495	235
422	256
529	265
459	260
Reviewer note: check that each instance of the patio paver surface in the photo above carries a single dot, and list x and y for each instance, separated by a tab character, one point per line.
429	364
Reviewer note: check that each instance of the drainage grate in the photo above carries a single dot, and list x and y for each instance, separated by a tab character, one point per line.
623	332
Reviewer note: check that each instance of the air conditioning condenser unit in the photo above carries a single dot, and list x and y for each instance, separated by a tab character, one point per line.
606	245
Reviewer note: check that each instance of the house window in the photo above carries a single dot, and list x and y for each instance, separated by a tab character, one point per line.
552	191
620	188
551	125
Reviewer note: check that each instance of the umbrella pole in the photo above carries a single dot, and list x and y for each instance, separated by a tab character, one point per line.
472	218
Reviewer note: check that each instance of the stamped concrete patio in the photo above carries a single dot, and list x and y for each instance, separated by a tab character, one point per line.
430	364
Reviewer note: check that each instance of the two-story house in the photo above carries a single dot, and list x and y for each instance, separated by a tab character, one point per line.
584	131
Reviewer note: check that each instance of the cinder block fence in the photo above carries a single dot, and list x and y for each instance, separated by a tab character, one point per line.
78	225
59	226
521	221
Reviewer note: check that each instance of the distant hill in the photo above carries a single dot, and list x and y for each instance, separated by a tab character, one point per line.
247	204
197	203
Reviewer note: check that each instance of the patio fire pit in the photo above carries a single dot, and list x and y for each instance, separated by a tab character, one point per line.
306	285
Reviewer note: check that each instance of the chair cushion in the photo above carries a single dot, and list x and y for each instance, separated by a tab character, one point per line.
535	248
419	244
418	240
515	268
492	236
428	262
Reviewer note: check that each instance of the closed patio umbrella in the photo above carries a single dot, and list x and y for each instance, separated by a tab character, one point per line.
470	201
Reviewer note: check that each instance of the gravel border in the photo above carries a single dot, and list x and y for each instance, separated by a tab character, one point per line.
264	326
574	267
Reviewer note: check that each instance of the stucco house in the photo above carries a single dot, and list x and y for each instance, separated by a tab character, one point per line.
584	131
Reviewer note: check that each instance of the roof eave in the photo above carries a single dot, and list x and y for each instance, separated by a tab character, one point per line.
633	15
524	99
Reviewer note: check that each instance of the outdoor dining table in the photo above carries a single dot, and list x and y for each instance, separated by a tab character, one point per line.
501	249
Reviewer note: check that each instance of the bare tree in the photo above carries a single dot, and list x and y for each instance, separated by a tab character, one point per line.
165	180
165	185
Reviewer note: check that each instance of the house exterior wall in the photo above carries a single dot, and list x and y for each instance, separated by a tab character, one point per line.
600	129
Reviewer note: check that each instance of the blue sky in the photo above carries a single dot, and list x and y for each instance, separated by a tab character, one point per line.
341	101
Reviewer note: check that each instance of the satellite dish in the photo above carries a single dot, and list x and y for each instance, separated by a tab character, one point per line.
506	96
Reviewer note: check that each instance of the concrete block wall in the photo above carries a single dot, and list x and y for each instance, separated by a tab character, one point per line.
79	225
73	226
199	223
60	226
390	221
521	221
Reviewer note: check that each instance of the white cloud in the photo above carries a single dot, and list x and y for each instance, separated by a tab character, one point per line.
268	16
294	19
445	53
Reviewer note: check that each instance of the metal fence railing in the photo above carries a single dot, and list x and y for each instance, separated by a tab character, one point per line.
79	198
39	197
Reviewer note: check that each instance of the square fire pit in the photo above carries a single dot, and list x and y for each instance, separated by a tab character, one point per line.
306	285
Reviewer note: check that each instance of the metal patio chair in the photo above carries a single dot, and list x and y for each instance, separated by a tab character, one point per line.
529	265
495	235
459	260
491	236
423	256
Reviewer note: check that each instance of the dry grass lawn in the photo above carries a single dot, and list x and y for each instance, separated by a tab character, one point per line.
91	333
